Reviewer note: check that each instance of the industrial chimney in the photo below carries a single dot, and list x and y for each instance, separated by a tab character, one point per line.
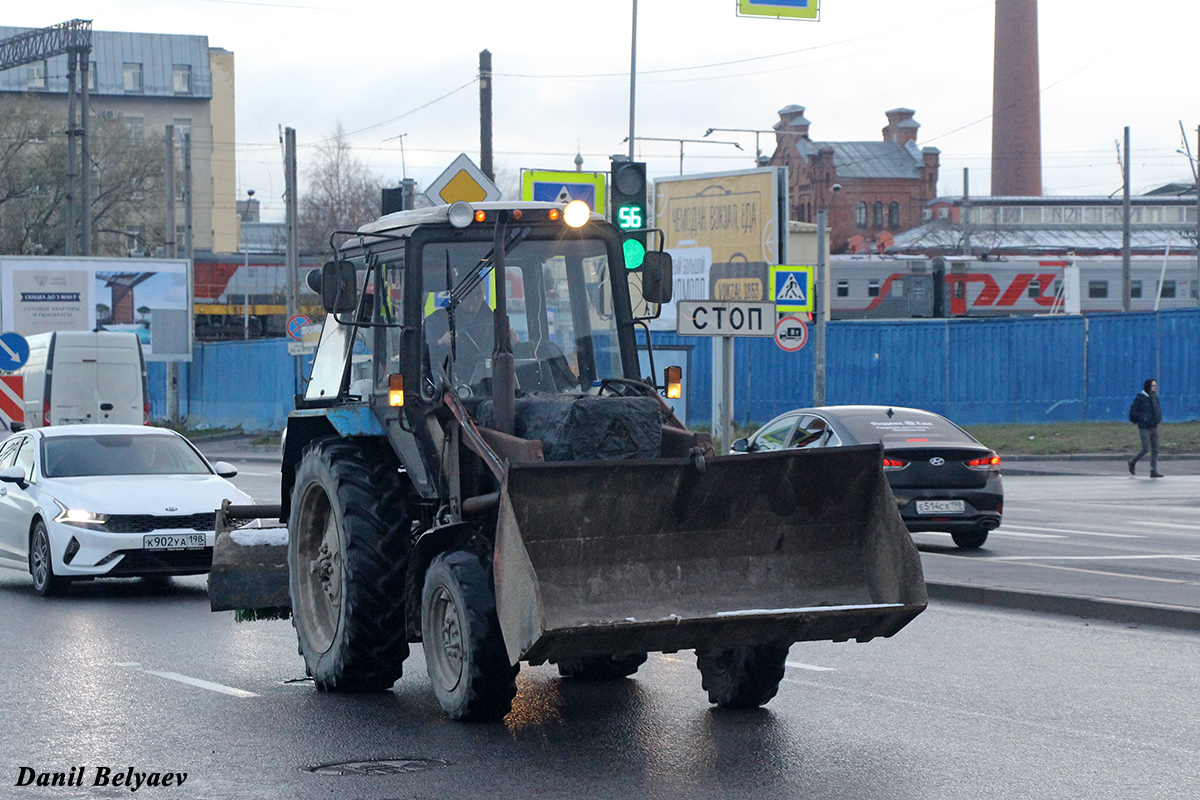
1016	104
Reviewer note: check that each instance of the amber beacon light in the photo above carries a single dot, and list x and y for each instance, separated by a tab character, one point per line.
674	381
395	390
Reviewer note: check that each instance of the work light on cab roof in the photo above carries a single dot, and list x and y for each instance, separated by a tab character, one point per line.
577	213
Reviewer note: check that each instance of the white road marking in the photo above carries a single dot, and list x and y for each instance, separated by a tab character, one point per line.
793	664
1015	535
1067	531
202	684
212	687
1097	558
1036	563
1183	526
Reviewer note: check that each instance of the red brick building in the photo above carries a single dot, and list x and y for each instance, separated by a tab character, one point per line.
885	185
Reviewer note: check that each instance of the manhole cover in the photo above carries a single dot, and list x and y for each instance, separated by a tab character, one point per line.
379	766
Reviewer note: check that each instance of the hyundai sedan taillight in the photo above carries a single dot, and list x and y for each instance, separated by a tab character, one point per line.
986	462
893	463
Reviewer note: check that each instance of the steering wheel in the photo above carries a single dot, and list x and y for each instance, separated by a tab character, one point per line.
625	387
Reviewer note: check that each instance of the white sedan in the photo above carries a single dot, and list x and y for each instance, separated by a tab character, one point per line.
86	501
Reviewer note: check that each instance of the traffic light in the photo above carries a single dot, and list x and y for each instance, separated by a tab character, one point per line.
628	208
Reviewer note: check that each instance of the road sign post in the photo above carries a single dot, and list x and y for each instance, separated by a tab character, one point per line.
723	321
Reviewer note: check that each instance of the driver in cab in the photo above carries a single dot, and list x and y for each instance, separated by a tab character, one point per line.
474	328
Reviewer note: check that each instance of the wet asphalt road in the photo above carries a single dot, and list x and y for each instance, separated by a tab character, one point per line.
965	702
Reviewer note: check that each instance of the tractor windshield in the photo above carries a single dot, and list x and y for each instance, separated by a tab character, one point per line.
560	307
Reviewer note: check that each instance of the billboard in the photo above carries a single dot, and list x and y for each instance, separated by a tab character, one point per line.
151	297
723	233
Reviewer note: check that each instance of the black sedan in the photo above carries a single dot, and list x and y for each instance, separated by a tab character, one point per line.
943	478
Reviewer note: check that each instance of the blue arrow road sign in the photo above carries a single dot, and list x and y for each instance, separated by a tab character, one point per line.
14	351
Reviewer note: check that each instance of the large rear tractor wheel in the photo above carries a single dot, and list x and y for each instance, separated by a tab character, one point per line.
601	668
746	676
348	549
464	649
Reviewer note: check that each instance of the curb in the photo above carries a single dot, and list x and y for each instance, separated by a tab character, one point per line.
1122	611
1117	457
257	458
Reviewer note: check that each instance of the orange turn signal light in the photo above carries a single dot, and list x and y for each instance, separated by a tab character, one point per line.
395	390
674	381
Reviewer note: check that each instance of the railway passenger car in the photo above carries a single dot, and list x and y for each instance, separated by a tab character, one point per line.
882	287
233	299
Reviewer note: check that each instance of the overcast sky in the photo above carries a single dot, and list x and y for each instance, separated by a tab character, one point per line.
382	69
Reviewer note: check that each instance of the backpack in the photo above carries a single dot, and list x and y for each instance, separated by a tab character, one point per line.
1133	409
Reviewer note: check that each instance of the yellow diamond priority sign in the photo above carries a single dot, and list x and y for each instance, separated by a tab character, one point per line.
462	180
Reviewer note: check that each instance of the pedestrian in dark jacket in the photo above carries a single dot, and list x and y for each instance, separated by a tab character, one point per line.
1146	413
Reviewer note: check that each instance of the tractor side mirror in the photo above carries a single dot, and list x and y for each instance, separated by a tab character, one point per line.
656	277
337	285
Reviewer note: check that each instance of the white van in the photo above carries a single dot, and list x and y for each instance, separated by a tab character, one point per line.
76	377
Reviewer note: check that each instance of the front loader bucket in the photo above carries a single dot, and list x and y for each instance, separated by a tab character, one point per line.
612	557
249	569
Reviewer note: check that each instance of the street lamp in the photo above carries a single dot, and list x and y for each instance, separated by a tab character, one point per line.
822	292
681	141
757	149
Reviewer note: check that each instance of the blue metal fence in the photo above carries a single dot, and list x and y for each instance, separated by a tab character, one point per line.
1046	369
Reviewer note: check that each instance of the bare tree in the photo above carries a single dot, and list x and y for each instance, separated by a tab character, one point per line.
126	189
126	182
342	194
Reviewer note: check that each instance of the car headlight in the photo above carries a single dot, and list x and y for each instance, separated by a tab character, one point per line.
78	517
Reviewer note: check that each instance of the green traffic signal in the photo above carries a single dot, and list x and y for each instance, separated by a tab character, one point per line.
635	253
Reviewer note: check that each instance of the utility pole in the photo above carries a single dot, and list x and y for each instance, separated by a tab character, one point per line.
189	249
819	339
821	292
171	251
169	244
293	248
85	153
633	79
485	115
72	174
1126	222
1197	173
966	212
246	272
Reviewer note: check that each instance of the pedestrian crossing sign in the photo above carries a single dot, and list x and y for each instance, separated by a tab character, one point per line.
792	288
